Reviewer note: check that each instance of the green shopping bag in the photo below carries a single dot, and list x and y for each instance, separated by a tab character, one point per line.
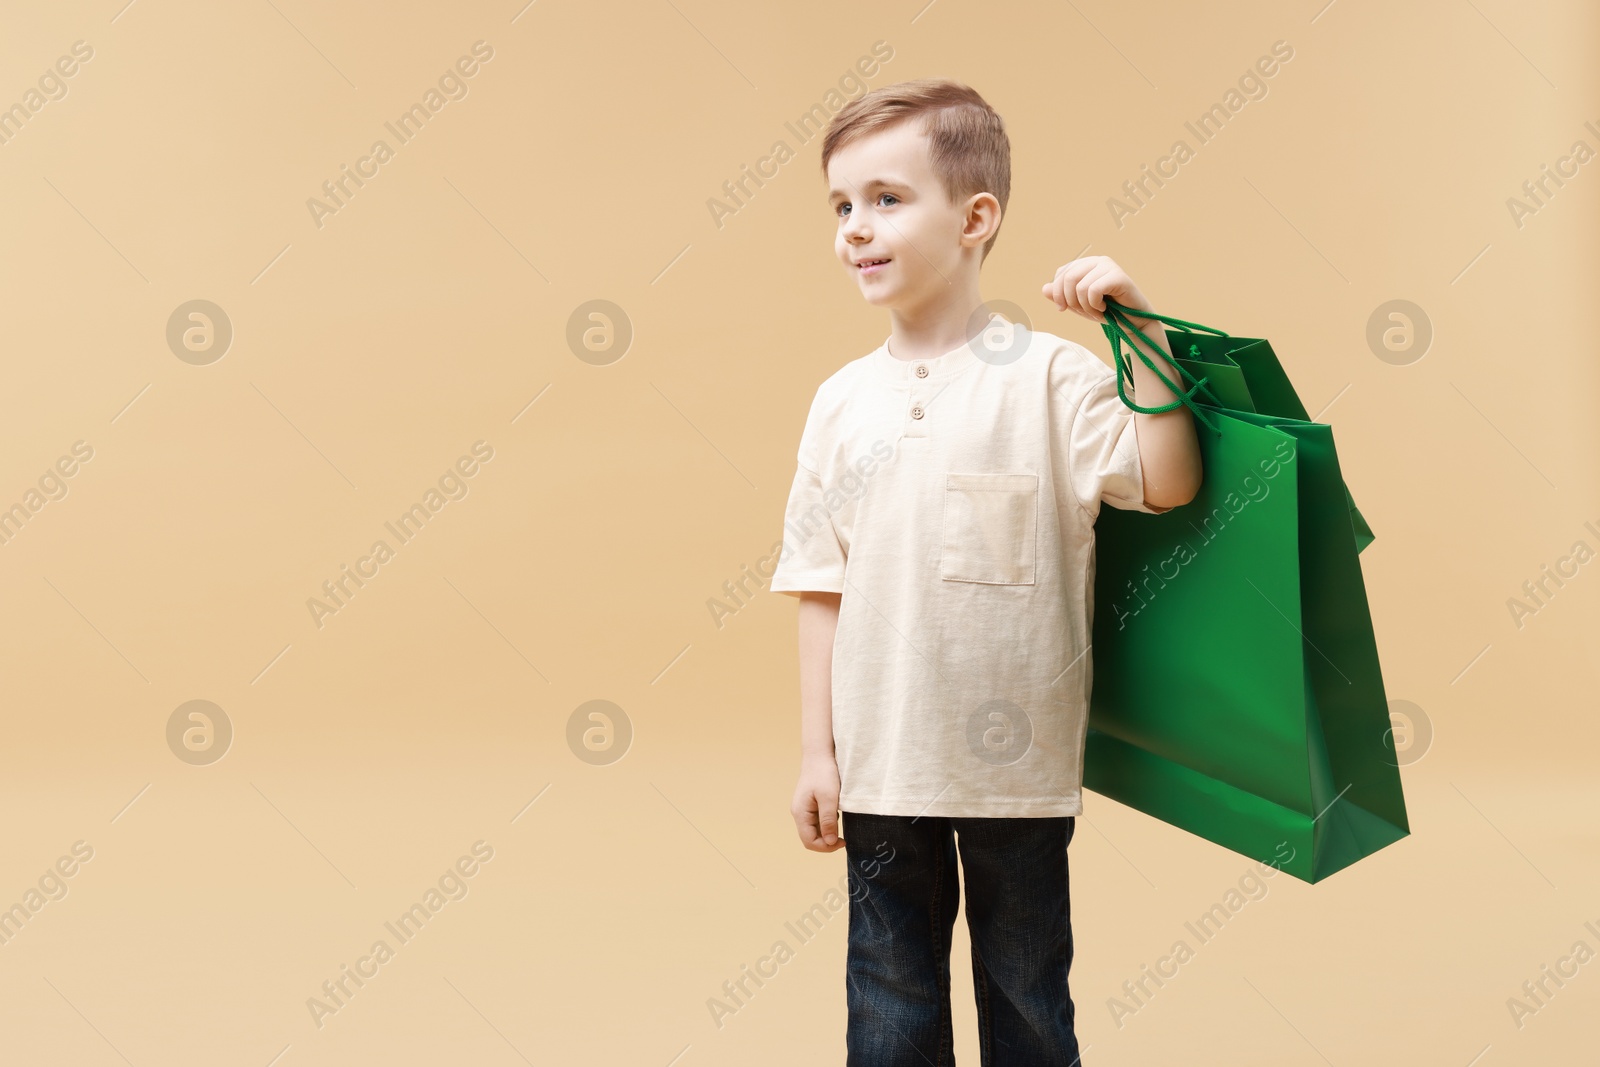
1237	692
1241	373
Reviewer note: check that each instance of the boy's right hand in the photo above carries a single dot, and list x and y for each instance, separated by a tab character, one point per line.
816	804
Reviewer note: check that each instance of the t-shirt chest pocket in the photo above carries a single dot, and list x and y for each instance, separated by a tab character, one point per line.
991	526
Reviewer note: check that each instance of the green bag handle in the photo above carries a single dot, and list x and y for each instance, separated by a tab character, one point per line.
1187	327
1116	327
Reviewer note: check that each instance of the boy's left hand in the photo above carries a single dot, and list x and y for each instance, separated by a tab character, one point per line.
1083	285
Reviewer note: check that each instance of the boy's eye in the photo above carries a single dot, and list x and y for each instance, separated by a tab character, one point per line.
845	204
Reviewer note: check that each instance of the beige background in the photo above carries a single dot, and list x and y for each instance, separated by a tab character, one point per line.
431	311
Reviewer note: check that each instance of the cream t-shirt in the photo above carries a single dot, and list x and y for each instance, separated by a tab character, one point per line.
952	502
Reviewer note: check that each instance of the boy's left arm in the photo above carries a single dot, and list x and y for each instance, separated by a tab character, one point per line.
1169	453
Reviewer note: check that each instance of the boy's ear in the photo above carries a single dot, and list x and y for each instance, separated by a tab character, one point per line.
982	219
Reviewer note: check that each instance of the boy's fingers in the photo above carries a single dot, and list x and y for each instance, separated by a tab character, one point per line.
1082	292
806	825
817	823
1072	287
1063	285
1058	292
829	812
1089	292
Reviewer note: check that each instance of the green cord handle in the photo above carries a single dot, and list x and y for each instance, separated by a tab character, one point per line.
1117	332
1118	322
1185	326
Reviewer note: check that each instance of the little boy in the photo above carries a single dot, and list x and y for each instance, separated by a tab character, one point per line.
940	538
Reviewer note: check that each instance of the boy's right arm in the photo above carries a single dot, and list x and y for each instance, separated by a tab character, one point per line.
816	796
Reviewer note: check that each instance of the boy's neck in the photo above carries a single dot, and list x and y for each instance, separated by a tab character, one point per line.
943	325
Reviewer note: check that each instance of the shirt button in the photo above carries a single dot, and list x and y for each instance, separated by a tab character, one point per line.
922	371
916	412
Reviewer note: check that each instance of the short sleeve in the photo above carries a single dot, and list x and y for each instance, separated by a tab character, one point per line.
812	558
1103	446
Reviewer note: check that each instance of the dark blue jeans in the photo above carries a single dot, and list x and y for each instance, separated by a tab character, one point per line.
903	899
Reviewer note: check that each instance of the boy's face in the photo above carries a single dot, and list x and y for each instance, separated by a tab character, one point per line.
891	206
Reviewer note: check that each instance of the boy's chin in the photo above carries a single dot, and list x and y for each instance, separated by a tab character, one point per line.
880	297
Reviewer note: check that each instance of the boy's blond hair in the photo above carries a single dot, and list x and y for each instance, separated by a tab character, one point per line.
967	143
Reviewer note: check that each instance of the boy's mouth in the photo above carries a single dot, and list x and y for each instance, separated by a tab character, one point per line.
870	266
